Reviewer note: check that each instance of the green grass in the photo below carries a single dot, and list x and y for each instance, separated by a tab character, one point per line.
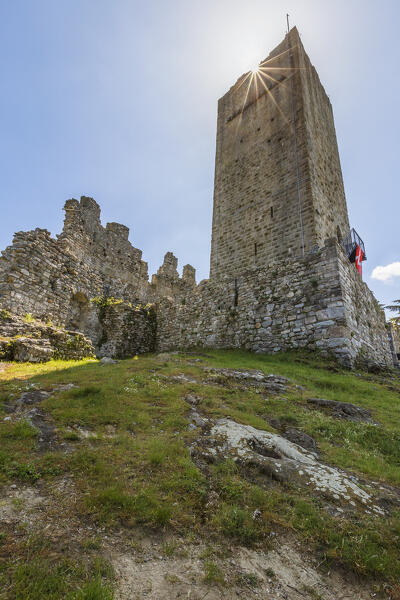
213	574
126	449
36	573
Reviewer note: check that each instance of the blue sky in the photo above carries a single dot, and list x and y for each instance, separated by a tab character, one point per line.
117	99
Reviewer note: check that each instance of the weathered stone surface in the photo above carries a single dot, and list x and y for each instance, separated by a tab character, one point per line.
126	330
301	439
270	383
106	360
29	350
284	461
342	410
258	181
31	397
35	342
223	312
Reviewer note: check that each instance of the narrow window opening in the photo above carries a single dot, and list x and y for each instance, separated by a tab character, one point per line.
272	212
236	296
255	249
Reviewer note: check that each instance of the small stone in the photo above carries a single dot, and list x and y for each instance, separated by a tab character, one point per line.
107	360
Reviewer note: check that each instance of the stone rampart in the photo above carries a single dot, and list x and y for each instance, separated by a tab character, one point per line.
56	278
316	302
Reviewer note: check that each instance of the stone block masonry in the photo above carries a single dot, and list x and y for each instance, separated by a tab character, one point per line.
318	302
56	278
256	216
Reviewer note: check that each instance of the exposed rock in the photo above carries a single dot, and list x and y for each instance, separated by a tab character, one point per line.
343	410
301	439
182	379
25	408
193	400
107	360
198	420
284	461
31	350
32	397
271	383
47	437
32	341
62	387
195	418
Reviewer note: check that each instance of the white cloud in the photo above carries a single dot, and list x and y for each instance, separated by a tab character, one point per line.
386	273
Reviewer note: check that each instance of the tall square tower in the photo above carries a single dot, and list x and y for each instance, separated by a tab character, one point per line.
278	188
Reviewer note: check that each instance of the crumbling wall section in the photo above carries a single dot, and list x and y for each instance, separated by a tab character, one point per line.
42	275
33	341
126	330
167	283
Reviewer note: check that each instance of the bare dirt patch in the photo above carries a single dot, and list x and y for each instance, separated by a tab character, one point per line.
279	574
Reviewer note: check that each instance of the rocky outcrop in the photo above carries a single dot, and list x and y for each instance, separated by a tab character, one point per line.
28	340
342	410
274	384
282	460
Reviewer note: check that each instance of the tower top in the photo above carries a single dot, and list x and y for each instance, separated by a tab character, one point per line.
278	183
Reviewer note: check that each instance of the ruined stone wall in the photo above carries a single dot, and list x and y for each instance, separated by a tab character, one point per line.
312	302
166	282
32	341
319	301
125	330
365	333
256	216
55	279
51	278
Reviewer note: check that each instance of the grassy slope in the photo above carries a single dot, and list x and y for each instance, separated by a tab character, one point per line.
132	467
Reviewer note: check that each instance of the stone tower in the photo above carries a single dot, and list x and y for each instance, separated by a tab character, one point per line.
278	183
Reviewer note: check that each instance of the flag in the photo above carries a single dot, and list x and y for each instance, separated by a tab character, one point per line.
359	257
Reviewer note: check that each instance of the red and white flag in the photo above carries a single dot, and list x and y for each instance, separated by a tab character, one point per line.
359	257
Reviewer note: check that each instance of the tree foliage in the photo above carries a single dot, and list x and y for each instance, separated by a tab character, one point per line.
395	308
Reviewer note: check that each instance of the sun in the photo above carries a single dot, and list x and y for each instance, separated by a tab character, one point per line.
255	68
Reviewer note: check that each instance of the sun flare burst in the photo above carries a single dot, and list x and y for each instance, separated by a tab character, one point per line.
264	76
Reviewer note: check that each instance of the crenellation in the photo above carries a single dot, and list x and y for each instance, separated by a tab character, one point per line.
189	275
